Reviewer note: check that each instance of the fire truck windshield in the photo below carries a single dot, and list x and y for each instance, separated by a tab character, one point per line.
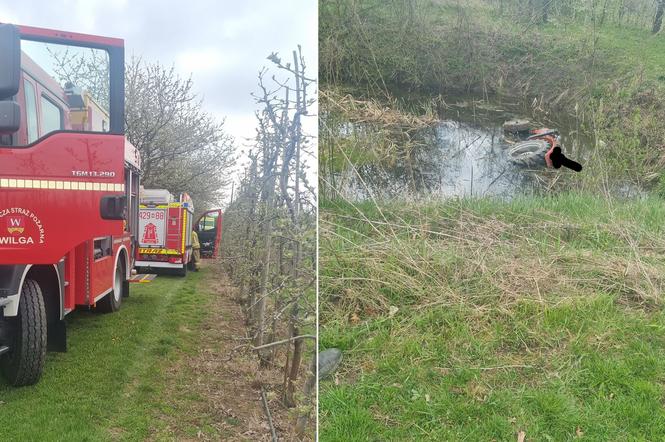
62	88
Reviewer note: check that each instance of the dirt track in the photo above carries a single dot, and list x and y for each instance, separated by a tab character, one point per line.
221	377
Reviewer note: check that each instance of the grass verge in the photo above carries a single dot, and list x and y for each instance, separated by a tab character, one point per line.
478	319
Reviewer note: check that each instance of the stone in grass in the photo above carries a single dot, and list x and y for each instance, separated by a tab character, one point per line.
329	360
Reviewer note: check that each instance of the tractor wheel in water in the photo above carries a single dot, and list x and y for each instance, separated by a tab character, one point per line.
23	363
529	153
111	302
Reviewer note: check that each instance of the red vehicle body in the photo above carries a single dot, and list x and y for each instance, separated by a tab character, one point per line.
68	200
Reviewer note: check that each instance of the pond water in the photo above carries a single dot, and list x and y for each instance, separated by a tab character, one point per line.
464	155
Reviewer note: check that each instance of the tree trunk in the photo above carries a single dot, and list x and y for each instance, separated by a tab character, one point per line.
294	367
622	11
603	14
310	386
248	292
658	20
545	10
261	303
289	398
266	232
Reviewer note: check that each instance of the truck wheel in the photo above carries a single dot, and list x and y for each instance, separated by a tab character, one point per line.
24	362
125	288
125	282
111	302
182	271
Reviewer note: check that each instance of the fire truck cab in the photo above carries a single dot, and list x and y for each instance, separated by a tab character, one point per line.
209	229
69	184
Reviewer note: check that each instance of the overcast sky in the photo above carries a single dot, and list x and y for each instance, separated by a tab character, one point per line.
223	44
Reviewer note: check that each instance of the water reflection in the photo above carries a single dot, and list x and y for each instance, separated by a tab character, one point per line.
454	158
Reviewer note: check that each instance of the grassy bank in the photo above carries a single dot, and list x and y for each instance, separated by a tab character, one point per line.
109	385
477	319
444	45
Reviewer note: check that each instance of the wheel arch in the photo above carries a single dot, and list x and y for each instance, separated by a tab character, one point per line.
49	278
122	251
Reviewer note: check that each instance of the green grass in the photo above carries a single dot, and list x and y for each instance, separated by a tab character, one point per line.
541	315
356	154
110	384
445	45
623	49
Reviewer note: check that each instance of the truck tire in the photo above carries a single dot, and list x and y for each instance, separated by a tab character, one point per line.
182	272
111	302
125	288
24	362
529	153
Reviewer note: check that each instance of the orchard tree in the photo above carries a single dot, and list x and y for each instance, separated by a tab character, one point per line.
269	244
183	148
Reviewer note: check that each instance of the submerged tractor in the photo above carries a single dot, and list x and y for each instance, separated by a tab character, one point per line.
535	148
69	184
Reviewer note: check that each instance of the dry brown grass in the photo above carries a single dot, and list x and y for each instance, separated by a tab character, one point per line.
397	257
385	113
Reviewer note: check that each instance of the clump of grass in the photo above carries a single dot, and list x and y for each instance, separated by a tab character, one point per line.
373	132
439	47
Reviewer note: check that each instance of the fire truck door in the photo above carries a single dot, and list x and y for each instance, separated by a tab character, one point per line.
209	229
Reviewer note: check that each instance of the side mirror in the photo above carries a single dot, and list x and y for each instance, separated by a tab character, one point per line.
10	117
10	61
113	207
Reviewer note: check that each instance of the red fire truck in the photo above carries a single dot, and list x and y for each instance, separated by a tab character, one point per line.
69	184
165	231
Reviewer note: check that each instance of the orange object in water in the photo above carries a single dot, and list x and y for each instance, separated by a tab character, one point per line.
551	137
